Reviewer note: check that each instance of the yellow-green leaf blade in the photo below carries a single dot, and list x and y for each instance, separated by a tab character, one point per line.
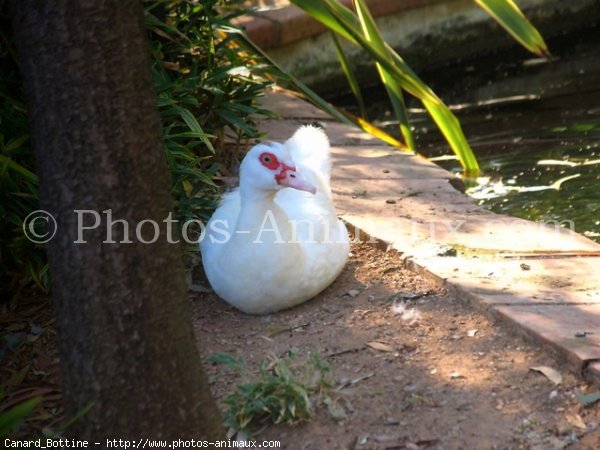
393	88
452	131
345	64
323	11
406	77
509	16
313	97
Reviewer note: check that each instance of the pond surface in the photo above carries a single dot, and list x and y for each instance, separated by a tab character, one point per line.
533	125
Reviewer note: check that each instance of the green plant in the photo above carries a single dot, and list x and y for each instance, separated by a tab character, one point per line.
14	416
285	391
207	89
360	29
21	261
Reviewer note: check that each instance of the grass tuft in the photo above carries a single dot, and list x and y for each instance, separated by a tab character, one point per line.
286	390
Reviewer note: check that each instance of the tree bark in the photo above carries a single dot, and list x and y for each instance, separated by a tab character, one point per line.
126	337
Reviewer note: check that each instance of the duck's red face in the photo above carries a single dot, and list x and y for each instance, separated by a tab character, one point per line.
285	175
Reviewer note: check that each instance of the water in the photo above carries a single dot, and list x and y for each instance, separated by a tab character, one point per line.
533	125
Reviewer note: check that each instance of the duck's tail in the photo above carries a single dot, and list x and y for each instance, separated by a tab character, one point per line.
309	148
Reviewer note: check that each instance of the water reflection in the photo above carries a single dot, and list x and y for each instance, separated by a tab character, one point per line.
534	126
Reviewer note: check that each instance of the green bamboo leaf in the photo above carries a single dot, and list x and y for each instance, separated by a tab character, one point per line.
408	80
390	82
310	95
188	118
15	143
78	415
190	134
191	122
322	11
452	131
343	21
9	419
509	16
279	73
25	173
234	120
349	75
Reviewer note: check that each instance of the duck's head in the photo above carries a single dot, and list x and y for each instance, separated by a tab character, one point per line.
269	167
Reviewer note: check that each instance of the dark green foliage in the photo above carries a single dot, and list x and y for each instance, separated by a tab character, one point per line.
206	89
21	261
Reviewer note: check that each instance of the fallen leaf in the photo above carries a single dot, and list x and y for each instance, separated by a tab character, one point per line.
550	373
380	346
576	421
472	333
588	399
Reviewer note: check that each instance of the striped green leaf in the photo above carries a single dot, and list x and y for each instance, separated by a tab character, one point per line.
508	14
331	11
354	87
388	79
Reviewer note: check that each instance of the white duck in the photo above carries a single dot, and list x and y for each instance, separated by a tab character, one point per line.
276	241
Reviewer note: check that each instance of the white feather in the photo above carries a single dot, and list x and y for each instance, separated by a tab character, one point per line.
309	148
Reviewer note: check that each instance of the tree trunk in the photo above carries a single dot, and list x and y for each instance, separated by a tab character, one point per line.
126	337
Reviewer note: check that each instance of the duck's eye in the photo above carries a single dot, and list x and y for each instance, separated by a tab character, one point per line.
269	160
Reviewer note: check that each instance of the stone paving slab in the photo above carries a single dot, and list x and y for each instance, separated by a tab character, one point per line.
560	326
420	224
521	282
287	105
409	204
381	163
397	191
339	134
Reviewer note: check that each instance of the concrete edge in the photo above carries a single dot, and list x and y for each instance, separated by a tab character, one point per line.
589	369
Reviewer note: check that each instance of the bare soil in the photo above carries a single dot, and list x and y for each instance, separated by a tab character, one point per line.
414	367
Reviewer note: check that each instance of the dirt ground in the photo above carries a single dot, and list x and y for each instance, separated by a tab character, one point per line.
414	367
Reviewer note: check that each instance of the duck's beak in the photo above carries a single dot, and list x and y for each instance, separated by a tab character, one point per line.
291	178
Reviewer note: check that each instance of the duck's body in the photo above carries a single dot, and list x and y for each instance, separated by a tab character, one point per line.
276	241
